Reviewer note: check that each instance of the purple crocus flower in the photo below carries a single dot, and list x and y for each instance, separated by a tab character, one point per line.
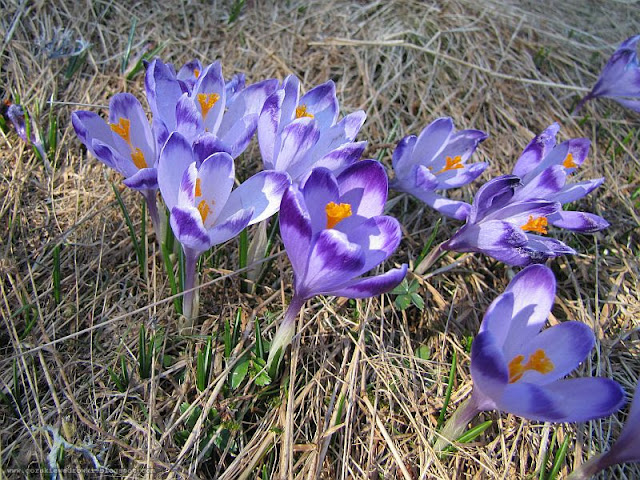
620	78
625	450
518	369
436	160
15	113
506	228
196	182
297	134
544	168
334	232
124	143
197	100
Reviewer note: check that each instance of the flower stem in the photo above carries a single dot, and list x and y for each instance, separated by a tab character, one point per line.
285	331
592	466
457	423
190	297
152	208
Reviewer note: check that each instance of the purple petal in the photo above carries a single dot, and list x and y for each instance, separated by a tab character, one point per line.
333	262
336	160
291	91
321	101
211	82
488	237
230	227
320	189
297	138
363	185
175	158
295	230
163	92
497	319
432	140
582	222
90	127
462	143
402	159
206	145
188	118
268	126
126	106
536	150
216	175
488	367
547	183
575	191
186	191
519	212
112	157
627	447
530	401
262	193
630	104
372	286
186	224
237	139
143	179
424	179
492	195
460	177
450	208
378	236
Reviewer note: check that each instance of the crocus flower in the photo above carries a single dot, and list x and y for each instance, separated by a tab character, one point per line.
194	102
296	133
124	143
544	168
333	231
519	369
15	113
506	228
436	160
625	450
196	182
620	78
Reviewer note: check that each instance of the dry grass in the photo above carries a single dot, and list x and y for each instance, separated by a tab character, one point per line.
509	69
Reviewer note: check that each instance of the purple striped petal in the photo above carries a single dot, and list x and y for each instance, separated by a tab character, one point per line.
530	401
248	102
488	367
424	179
320	189
295	230
431	141
268	126
321	101
363	185
378	236
450	208
337	160
230	227
547	183
175	158
89	127
163	92
402	157
126	106
186	224
291	94
112	157
492	195
460	177
186	191
237	139
462	143
536	150
487	237
575	191
497	319
582	222
518	213
372	286
297	138
188	118
143	179
206	145
216	175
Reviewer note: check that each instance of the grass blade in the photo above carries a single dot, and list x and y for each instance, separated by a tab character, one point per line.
447	396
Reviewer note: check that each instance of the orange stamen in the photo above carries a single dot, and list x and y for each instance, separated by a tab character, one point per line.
204	210
196	72
138	158
568	162
336	213
451	164
123	128
301	111
198	188
207	101
538	225
538	361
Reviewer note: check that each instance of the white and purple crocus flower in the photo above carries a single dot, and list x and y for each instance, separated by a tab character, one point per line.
510	215
519	369
626	449
126	144
334	232
620	77
437	160
297	134
196	183
197	100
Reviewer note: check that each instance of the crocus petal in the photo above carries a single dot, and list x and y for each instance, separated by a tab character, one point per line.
424	179
143	179
320	189
211	82
230	227
627	448
262	193
488	366
378	236
216	175
547	183
575	191
363	185
460	177
493	194
450	208
536	150
519	212
402	158
333	261
529	401
461	143
295	229
321	101
431	140
186	224
582	222
188	118
268	126
89	127
186	191
372	286
297	138
237	139
336	160
488	237
126	106
497	319
175	157
110	156
630	104
206	145
163	92
548	247
566	345
291	93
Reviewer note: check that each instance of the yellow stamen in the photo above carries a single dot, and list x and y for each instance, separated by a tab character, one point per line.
337	213
301	111
198	188
568	162
451	164
123	128
538	361
204	210
196	72
538	225
207	101
138	158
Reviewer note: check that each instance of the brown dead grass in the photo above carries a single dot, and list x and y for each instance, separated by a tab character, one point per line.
507	68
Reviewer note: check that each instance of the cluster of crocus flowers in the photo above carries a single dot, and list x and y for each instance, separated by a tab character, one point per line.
437	160
334	232
620	78
511	215
519	369
15	114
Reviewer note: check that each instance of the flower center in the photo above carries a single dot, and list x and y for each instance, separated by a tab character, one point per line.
207	101
204	210
196	72
451	164
538	225
568	162
138	159
123	128
301	111
538	361
336	213
198	191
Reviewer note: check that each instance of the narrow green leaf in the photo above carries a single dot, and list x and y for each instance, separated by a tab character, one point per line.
559	460
447	396
127	219
168	265
127	51
340	408
259	342
430	240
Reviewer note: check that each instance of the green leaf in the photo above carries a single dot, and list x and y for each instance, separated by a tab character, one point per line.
239	372
417	301
423	352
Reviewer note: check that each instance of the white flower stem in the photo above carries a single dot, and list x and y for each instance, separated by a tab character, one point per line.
457	423
286	330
